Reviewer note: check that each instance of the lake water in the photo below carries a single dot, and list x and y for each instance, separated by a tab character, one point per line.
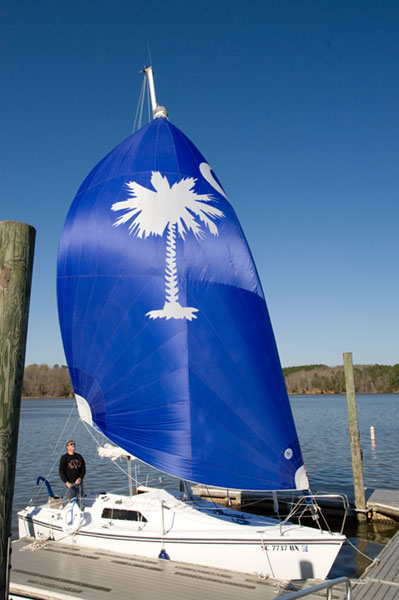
321	423
322	426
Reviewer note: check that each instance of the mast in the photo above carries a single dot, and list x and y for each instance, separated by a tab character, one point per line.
157	111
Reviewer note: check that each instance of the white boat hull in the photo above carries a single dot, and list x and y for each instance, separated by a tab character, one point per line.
197	533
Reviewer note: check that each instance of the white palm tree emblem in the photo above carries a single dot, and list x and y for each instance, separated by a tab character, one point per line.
178	209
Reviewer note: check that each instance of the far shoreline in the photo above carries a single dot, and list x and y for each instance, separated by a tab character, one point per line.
318	393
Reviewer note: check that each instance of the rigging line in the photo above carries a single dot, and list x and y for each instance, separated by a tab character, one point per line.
373	560
73	407
139	104
137	109
145	91
98	445
149	52
39	489
145	94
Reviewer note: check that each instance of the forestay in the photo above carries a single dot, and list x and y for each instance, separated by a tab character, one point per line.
164	322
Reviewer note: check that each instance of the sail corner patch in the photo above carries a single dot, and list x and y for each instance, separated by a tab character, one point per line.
301	479
84	410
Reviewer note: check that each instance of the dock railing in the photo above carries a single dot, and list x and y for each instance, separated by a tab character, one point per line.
327	585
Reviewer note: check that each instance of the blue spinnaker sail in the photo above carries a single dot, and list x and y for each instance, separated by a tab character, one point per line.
164	322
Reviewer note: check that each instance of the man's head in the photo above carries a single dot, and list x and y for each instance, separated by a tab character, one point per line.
70	446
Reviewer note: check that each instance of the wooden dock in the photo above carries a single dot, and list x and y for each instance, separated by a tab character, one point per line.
384	502
381	581
263	502
381	503
57	572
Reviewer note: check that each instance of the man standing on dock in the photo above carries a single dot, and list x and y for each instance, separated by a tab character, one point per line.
72	470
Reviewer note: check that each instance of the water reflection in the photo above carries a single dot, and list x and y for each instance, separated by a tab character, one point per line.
369	538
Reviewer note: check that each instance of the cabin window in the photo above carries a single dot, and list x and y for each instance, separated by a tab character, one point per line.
119	514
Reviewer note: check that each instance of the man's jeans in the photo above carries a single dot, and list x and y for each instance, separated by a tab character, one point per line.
76	491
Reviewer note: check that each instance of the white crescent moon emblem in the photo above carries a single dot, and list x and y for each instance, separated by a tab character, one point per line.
206	173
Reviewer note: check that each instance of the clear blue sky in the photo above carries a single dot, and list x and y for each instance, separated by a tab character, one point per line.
294	103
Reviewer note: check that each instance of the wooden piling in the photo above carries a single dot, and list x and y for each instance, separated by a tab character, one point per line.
17	242
354	436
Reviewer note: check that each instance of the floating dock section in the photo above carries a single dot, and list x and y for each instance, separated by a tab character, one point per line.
381	581
385	503
52	571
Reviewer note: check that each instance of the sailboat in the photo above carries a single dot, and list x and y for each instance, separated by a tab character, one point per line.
172	358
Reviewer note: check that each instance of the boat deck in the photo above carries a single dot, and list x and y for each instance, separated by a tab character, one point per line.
381	581
52	571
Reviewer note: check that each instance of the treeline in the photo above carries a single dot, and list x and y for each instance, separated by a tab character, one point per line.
320	379
42	381
54	382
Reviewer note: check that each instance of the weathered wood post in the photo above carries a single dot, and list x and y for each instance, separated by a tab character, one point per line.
17	241
354	436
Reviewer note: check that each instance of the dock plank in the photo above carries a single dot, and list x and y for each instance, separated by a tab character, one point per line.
55	571
381	581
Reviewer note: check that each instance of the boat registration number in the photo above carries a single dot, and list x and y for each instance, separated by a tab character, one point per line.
286	548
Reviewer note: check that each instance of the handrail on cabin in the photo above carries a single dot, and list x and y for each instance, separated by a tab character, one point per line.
326	585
